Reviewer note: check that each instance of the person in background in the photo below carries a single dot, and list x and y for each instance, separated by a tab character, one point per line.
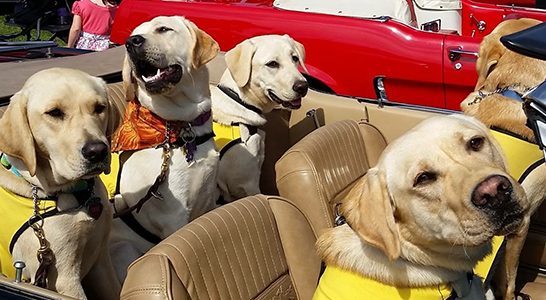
91	24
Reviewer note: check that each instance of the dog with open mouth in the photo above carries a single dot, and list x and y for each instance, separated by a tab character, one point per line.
262	74
168	161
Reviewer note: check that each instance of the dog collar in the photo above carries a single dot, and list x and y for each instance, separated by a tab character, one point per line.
8	166
82	191
508	91
233	95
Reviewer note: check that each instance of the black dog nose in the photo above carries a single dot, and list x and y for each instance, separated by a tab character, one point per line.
492	192
135	41
301	87
95	151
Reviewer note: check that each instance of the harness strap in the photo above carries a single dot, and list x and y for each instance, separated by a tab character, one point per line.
153	190
130	220
229	146
252	130
531	168
233	95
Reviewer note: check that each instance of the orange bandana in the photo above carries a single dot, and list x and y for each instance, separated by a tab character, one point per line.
143	129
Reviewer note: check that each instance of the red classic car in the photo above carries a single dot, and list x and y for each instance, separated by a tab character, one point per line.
423	53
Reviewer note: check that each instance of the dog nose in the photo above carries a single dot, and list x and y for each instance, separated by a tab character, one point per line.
301	87
95	151
135	41
492	192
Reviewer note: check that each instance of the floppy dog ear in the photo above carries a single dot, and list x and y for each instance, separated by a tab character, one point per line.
205	49
15	137
128	80
484	72
300	50
239	62
370	213
491	51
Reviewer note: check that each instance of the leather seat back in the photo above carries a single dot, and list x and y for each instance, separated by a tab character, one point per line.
319	169
232	252
312	176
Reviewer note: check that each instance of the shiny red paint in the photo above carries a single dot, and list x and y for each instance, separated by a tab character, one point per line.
345	54
493	14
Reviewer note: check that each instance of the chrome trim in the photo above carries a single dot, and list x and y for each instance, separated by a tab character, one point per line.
380	92
480	24
312	114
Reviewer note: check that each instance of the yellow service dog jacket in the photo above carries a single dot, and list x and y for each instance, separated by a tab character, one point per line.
16	211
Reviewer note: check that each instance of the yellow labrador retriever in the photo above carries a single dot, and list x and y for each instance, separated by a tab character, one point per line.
166	142
419	222
504	76
262	74
54	144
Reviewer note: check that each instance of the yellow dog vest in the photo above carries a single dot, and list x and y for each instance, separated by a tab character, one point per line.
225	134
521	155
339	284
16	211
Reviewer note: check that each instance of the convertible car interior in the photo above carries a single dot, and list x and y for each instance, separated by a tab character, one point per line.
262	247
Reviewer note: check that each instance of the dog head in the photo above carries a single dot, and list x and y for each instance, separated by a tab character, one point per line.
57	126
499	68
441	187
162	51
267	67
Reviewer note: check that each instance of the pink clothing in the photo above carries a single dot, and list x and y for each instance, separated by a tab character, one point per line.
95	19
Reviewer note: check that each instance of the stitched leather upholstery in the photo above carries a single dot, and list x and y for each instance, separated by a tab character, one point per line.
232	252
313	175
116	94
324	164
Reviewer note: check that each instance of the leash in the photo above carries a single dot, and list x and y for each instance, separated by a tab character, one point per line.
153	190
44	254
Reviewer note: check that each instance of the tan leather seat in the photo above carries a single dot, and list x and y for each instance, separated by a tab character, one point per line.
315	174
232	252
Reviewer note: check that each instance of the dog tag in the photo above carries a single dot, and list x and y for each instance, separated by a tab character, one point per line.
94	207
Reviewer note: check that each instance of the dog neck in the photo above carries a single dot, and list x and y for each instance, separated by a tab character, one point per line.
248	94
22	183
342	247
228	111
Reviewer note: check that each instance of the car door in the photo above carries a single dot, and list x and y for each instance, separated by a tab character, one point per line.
459	68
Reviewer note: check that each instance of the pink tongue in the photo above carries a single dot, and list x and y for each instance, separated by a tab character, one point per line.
296	102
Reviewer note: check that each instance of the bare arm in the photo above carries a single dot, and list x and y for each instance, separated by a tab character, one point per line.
75	30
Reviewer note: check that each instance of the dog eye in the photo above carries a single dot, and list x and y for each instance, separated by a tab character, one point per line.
272	64
295	58
55	113
163	29
99	108
476	143
424	178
